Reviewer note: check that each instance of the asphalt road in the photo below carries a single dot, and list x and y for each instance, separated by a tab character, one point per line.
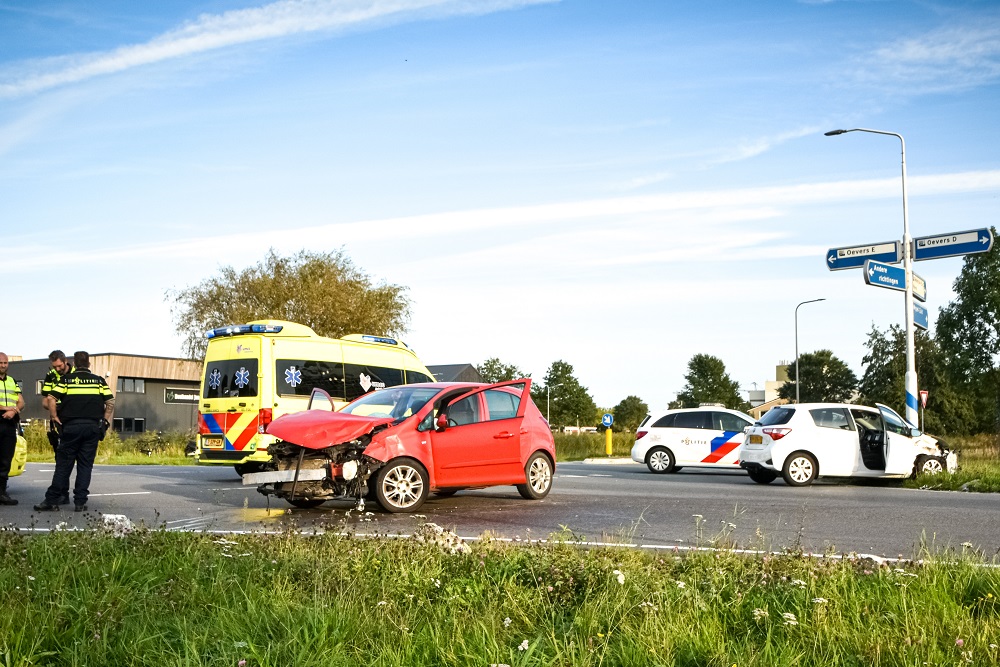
591	502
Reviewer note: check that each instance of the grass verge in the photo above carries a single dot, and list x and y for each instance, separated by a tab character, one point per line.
163	598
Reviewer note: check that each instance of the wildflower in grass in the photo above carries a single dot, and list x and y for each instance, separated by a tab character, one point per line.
381	603
993	646
967	545
820	600
959	642
241	663
618	575
759	613
680	584
499	664
789	618
507	622
799	583
239	644
30	578
437	583
523	646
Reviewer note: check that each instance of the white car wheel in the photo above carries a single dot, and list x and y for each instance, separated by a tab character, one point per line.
800	469
932	465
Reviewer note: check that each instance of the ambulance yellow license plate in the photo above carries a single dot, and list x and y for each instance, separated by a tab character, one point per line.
212	443
756	440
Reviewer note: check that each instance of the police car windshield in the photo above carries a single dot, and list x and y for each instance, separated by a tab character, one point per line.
396	402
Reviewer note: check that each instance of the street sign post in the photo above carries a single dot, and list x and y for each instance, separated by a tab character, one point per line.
854	257
952	245
607	420
885	275
920	316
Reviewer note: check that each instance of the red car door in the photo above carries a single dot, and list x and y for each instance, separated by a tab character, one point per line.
481	445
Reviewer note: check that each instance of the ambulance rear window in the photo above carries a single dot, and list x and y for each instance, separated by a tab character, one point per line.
230	378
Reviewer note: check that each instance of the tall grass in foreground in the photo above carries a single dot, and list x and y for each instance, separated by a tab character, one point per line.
162	598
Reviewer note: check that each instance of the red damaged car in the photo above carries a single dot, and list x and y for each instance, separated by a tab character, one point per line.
398	444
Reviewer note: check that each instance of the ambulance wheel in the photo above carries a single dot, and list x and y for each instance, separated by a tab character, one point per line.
660	460
401	485
247	468
306	503
800	469
930	465
763	476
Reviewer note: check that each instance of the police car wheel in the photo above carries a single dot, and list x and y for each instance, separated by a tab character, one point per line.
763	476
660	460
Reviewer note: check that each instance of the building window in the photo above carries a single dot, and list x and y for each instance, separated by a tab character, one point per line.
131	385
128	425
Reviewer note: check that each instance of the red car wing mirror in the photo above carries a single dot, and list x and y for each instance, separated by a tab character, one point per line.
441	422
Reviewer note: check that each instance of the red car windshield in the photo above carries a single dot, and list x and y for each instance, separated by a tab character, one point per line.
395	402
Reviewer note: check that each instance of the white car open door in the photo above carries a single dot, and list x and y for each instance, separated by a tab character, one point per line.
900	450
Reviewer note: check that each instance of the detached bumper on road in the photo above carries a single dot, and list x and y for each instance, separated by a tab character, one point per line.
271	477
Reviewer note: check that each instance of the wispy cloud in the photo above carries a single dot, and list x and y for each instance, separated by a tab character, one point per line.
216	31
684	215
951	58
749	148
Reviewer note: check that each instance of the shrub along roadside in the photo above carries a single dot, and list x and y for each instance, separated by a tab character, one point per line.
158	597
146	448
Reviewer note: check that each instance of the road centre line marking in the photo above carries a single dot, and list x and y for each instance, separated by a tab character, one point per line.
598	474
124	493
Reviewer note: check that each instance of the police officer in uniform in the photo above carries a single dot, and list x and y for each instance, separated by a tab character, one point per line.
59	369
11	404
87	405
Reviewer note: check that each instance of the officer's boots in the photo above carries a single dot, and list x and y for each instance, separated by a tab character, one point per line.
6	499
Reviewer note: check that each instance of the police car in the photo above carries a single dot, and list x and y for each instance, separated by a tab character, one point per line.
706	437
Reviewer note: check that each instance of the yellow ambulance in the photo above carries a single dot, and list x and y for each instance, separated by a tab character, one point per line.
258	371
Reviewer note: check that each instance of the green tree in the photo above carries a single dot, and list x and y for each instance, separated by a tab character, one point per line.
708	382
825	379
324	291
493	370
564	398
628	413
968	332
948	411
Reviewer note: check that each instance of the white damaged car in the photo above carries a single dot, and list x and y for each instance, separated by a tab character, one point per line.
804	441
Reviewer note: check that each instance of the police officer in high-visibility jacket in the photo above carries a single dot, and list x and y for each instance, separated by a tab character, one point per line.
11	404
60	367
87	406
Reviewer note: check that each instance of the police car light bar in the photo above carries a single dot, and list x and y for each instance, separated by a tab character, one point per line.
239	329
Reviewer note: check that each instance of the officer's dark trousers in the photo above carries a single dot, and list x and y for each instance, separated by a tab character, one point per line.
8	441
78	446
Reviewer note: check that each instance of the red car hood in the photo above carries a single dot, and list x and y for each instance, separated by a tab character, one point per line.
318	429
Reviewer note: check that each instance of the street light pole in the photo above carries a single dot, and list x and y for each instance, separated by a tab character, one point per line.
548	402
910	381
798	378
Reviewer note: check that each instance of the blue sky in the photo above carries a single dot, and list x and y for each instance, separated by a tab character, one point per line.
620	185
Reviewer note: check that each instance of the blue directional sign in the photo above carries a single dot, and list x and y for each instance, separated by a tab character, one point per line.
855	257
885	275
951	245
607	420
920	316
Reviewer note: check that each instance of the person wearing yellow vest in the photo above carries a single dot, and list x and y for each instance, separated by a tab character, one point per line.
11	404
86	405
60	367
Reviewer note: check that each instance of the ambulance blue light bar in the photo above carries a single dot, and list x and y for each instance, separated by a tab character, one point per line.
380	339
239	329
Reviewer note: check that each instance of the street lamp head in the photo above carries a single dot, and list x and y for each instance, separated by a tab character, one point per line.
833	133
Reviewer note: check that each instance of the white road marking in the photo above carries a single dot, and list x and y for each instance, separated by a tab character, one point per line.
125	493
